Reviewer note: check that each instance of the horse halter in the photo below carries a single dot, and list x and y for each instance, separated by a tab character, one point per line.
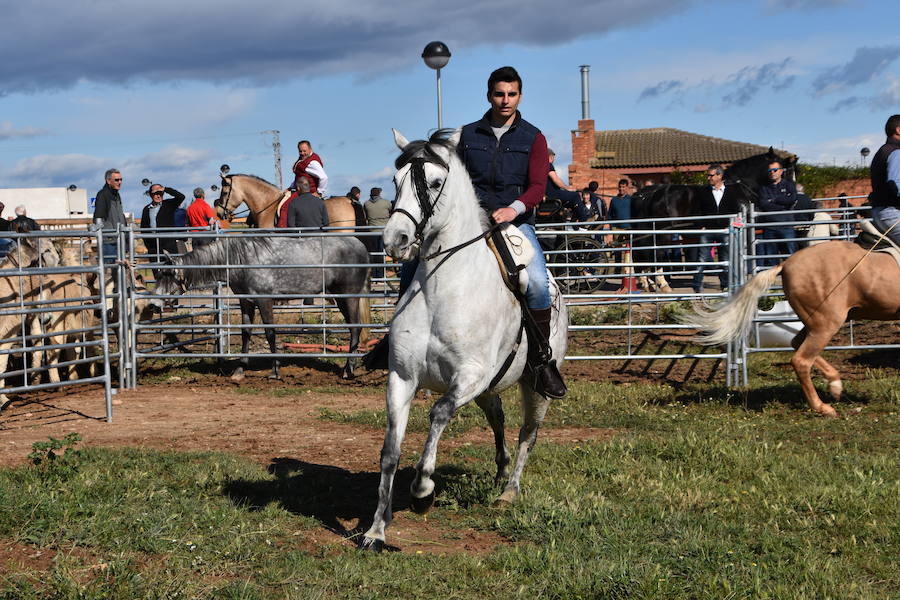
417	169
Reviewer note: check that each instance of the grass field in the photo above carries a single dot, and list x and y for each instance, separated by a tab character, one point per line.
697	493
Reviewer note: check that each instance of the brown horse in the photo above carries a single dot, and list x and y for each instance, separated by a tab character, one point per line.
826	285
262	199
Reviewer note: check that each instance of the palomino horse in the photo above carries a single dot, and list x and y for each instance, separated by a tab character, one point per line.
826	285
457	328
262	198
323	254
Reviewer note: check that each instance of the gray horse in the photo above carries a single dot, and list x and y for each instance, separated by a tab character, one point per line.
329	254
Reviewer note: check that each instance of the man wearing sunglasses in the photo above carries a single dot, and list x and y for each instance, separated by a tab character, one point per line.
108	211
778	196
160	213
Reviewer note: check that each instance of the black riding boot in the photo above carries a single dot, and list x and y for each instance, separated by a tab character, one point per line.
547	379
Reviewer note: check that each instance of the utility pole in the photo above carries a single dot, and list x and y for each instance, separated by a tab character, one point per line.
276	150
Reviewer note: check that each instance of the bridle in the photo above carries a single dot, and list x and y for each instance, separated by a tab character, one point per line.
223	199
420	185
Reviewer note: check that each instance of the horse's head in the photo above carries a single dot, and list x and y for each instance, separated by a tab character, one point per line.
169	282
423	169
224	208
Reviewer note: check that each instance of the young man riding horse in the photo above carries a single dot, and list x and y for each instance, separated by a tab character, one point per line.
885	173
508	161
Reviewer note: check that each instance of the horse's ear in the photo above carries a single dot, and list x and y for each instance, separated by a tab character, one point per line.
399	139
454	137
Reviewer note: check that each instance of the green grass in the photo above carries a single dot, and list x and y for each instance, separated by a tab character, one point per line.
694	496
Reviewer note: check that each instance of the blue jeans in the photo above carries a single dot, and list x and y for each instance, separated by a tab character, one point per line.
781	246
705	255
885	217
538	294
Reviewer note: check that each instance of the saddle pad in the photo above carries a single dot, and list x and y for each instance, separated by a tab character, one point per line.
520	251
870	236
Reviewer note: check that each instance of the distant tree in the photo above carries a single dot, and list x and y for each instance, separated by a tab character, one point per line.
815	178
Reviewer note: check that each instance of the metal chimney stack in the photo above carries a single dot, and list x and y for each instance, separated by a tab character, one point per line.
585	92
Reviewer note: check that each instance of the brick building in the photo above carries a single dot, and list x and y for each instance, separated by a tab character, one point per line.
647	156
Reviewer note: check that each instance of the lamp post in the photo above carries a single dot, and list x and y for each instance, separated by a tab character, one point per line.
436	55
864	152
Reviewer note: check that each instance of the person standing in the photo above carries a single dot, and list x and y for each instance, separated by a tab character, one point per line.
620	210
307	209
108	212
507	160
160	213
715	199
200	215
885	175
23	223
778	195
378	211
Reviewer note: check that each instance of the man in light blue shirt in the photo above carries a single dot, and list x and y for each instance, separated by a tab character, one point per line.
885	174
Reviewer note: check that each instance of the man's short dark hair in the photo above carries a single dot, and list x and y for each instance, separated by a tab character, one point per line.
593	186
623	182
355	190
777	161
374	192
892	124
716	167
304	142
506	75
199	193
303	185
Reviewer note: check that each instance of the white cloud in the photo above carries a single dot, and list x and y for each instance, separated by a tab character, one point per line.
9	132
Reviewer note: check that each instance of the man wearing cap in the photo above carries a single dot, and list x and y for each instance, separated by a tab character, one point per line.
160	213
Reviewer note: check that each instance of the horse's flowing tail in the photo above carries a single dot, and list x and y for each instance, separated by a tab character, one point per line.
365	318
721	324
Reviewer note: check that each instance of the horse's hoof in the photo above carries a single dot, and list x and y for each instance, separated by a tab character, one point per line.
505	499
237	377
422	505
371	545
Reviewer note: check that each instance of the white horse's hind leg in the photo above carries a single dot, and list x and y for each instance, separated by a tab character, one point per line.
534	407
460	393
399	397
493	410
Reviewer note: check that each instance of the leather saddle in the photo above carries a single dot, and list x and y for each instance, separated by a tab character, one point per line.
513	252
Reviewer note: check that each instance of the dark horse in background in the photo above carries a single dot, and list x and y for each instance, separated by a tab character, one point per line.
669	201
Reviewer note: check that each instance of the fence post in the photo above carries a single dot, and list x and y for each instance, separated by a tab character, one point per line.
104	321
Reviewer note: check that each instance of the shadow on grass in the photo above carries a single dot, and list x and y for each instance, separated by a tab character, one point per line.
225	367
327	493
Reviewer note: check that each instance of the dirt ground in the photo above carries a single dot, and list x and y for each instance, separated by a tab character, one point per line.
204	411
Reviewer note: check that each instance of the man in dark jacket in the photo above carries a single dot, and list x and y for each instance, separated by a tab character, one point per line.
108	211
779	195
160	213
307	209
23	223
885	174
715	199
508	161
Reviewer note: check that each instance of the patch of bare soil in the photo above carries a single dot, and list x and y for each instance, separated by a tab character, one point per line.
203	410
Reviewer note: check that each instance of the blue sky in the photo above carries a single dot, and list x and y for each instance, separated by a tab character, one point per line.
170	91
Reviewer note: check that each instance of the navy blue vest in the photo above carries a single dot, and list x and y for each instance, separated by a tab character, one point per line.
499	169
883	194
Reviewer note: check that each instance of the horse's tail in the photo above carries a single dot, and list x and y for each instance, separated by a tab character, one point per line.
365	318
721	324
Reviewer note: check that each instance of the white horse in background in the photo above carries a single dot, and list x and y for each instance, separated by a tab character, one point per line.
457	329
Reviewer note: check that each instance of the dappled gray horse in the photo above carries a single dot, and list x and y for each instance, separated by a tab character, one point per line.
329	276
457	330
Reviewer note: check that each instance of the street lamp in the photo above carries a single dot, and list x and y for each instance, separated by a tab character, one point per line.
864	152
436	55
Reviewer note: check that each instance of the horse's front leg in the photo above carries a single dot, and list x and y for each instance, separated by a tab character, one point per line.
400	393
248	309
493	409
267	314
461	392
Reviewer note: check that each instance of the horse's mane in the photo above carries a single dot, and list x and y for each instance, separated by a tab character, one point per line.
440	138
256	177
426	149
236	250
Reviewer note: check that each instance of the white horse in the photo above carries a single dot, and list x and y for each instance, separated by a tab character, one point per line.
456	327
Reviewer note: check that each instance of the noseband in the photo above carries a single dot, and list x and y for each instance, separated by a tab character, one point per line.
222	201
417	168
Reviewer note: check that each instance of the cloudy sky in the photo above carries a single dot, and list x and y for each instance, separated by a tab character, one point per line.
171	90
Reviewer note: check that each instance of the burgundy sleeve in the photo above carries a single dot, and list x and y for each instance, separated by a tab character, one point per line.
538	169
